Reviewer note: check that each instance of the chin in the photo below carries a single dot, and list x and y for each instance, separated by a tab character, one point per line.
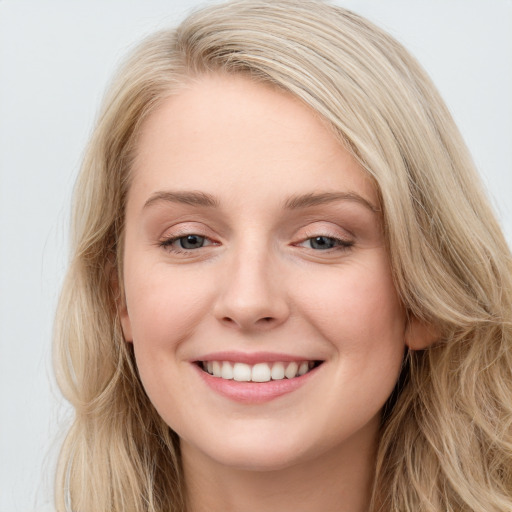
253	453
259	460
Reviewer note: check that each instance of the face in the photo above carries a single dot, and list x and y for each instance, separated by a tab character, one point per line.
254	250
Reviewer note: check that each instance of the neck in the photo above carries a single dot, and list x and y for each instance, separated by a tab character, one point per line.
338	480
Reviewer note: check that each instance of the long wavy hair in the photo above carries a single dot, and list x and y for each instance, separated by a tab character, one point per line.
446	436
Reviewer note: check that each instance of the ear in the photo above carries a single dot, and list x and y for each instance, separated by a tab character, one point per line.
120	303
419	334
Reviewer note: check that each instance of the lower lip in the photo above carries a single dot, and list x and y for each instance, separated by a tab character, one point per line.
254	392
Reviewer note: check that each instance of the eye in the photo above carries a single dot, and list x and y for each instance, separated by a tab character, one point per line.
186	243
324	243
191	241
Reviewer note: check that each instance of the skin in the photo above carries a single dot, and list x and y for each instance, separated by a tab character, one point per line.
258	284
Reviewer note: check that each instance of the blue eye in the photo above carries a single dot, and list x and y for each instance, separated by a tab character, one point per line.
185	243
325	243
191	242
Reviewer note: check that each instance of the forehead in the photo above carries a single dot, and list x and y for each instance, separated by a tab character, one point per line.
222	134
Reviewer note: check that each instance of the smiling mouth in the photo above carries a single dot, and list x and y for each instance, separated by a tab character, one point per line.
259	372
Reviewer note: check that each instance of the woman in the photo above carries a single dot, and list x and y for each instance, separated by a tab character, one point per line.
287	289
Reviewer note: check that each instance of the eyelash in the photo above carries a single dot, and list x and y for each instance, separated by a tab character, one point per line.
167	244
339	244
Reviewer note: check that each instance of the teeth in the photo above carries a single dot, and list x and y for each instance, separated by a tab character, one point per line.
227	371
241	372
277	371
291	370
303	368
217	369
260	372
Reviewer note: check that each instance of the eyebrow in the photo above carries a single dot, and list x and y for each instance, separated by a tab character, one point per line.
187	197
292	203
311	199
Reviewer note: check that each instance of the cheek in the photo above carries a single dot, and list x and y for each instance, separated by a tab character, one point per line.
165	305
360	314
361	317
362	297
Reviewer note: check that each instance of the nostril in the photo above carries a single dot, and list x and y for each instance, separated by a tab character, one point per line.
265	320
247	322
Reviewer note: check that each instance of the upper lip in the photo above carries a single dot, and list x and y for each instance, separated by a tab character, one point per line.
254	357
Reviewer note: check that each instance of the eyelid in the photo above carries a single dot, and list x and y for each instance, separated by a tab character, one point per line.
176	232
181	229
172	248
341	243
170	240
343	240
317	229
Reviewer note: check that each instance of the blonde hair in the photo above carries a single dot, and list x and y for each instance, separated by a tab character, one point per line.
446	437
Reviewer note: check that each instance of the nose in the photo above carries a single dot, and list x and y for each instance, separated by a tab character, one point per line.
252	295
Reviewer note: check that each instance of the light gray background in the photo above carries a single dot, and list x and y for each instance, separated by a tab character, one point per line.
56	58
